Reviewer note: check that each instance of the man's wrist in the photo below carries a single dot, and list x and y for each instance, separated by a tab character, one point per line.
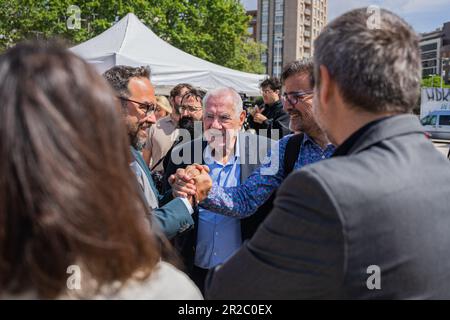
189	204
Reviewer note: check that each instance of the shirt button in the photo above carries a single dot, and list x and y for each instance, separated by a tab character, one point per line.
215	253
217	233
323	157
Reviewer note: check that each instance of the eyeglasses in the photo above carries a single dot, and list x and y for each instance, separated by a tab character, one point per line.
267	91
147	108
294	97
223	119
189	109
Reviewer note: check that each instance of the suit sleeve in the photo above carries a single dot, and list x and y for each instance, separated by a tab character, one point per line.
173	218
297	253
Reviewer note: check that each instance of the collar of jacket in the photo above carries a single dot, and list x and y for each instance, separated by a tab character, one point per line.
379	130
274	106
136	156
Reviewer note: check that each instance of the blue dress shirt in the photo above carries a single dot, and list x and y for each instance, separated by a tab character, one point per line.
219	236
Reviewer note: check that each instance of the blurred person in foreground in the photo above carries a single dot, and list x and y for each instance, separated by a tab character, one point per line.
373	221
68	199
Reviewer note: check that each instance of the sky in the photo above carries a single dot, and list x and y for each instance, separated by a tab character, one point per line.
423	15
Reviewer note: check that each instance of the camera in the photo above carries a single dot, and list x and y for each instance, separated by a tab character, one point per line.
248	107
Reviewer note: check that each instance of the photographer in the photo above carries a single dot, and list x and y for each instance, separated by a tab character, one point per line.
271	115
249	105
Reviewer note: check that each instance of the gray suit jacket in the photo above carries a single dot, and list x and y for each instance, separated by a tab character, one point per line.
386	204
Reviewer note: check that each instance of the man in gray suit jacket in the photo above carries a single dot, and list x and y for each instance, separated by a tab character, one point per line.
374	220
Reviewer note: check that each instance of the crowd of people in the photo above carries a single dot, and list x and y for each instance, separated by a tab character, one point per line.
155	197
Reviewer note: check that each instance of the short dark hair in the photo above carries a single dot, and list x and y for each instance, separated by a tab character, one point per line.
377	68
177	89
198	94
272	82
305	66
119	77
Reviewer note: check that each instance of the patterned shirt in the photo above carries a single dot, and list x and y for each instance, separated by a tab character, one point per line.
244	200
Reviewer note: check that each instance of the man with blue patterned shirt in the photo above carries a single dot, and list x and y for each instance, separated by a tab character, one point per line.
243	200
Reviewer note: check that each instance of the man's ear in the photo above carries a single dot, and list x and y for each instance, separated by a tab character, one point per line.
242	117
325	86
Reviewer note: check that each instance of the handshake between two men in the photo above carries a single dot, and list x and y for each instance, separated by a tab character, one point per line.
192	183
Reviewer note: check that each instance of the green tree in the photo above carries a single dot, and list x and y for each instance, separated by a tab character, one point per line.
214	30
434	81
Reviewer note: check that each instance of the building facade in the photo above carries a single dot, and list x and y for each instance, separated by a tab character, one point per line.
252	25
435	48
288	29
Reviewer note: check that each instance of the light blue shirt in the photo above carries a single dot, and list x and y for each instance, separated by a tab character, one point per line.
219	236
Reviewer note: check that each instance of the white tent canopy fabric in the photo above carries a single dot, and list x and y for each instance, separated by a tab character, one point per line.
130	42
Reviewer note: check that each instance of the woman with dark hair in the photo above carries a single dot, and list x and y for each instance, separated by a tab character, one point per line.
72	222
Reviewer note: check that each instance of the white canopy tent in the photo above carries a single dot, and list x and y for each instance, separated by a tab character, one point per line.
130	42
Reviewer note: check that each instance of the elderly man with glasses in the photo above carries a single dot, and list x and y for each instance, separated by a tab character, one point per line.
230	155
292	152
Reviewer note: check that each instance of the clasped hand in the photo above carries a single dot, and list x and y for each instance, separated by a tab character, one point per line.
191	183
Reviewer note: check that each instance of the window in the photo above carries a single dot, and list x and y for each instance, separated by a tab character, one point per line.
264	21
444	120
429	121
264	28
277	53
428	72
429	63
429	47
429	55
279	29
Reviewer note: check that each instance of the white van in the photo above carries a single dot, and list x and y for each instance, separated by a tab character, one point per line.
437	124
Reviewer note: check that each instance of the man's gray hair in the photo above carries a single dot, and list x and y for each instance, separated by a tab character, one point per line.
225	91
377	69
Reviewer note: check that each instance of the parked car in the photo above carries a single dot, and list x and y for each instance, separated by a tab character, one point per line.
437	124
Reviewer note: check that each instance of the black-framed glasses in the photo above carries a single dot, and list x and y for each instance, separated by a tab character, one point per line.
267	91
147	108
295	96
